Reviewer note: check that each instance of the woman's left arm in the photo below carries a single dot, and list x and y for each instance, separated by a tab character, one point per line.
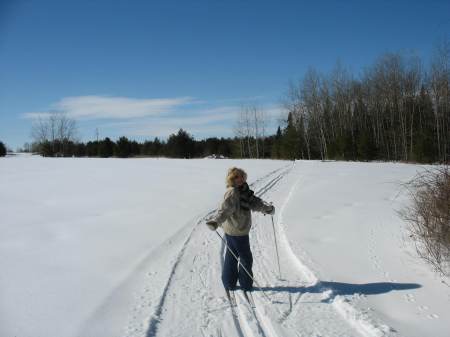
258	205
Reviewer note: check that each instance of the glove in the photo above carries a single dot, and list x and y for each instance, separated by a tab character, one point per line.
270	210
212	224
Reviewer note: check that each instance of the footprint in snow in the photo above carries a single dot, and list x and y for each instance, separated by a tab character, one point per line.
423	308
410	297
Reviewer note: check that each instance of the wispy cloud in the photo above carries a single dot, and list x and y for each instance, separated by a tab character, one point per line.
104	107
154	117
217	120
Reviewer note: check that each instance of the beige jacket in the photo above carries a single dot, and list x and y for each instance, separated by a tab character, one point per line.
234	220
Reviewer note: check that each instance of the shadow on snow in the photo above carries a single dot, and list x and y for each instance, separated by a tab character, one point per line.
339	288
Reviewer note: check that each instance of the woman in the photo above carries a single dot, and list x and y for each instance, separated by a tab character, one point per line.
235	218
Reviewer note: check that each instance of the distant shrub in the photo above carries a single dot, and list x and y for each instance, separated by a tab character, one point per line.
2	150
428	216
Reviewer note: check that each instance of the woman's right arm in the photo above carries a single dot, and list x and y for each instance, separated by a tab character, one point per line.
227	207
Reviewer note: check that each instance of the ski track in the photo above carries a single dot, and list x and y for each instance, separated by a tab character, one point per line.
157	316
193	299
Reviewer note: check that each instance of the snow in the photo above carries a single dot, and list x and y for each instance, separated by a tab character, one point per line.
350	232
118	247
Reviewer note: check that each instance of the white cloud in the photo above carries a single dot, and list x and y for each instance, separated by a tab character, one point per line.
35	115
165	130
216	120
105	107
275	112
155	117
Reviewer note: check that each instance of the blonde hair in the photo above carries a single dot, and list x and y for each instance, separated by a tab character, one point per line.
233	172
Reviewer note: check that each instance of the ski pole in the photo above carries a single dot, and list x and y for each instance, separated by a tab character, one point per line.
240	264
276	247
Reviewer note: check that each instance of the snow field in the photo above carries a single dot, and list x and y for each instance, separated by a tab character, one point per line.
109	247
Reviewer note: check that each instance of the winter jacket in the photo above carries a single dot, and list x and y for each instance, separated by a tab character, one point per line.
233	214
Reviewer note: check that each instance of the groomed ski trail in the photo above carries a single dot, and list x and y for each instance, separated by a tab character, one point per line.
302	304
193	301
191	267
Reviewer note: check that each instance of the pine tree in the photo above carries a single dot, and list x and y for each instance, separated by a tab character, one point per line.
123	149
92	149
2	150
290	142
106	148
181	145
276	147
157	147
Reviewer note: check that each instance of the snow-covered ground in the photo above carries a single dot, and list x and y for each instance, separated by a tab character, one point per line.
118	247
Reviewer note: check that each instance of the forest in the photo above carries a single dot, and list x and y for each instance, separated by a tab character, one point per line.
397	109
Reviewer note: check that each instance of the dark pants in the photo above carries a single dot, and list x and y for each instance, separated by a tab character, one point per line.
240	245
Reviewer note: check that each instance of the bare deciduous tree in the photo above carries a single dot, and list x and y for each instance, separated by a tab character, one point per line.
54	127
250	129
394	111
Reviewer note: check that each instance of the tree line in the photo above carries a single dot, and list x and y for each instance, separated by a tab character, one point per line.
54	135
3	149
397	109
178	145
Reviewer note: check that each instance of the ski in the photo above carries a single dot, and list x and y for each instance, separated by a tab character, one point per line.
231	298
249	297
234	312
252	310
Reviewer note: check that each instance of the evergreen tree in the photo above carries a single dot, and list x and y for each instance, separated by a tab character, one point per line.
276	146
181	145
135	149
106	148
46	149
290	142
366	149
80	150
123	148
92	149
2	150
157	147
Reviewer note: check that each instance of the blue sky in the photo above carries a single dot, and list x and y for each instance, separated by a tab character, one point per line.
146	68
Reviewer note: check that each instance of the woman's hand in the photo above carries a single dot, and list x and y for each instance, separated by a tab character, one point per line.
212	224
270	210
